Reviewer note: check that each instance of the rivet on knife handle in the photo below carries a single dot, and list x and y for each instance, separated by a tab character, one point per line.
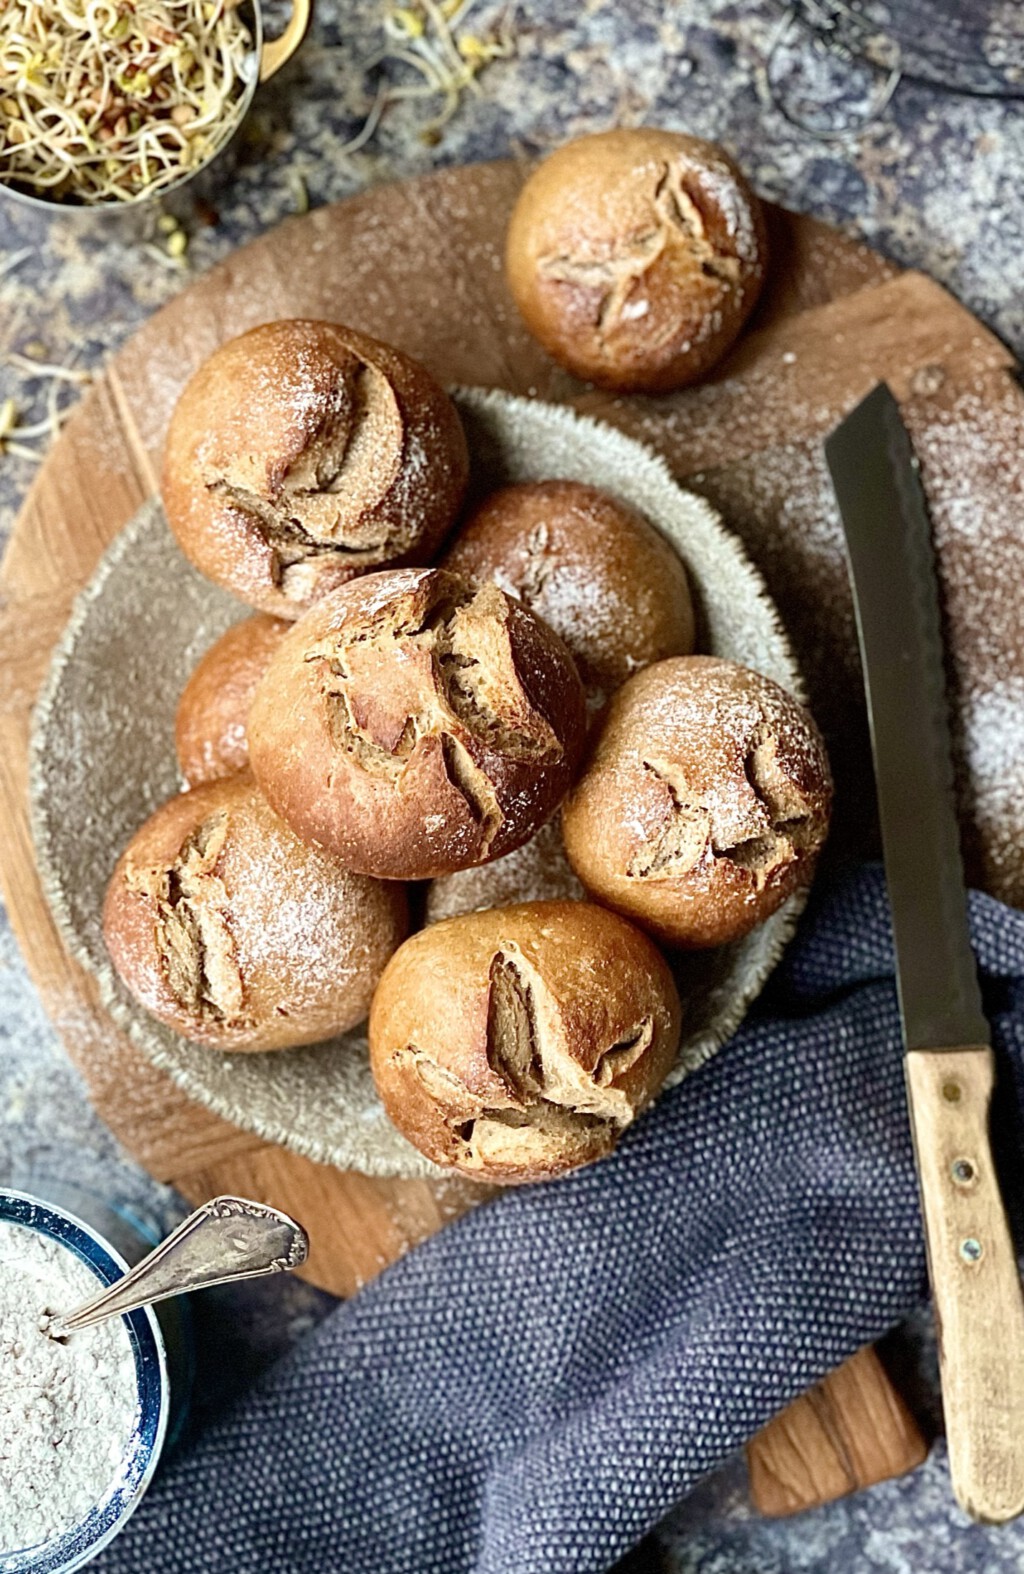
979	1305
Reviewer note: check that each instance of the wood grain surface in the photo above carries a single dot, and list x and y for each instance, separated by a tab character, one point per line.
420	264
847	1432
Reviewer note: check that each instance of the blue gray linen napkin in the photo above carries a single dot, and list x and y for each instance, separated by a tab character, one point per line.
533	1389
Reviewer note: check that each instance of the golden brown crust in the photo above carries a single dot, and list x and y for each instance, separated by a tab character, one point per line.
413	725
635	257
595	570
518	1043
233	932
303	454
210	736
704	803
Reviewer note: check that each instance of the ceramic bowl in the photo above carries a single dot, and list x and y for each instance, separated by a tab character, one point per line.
79	1545
103	759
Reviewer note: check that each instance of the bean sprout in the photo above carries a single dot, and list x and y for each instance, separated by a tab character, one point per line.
27	440
428	37
107	100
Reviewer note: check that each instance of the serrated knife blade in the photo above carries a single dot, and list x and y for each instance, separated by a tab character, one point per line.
892	568
949	1063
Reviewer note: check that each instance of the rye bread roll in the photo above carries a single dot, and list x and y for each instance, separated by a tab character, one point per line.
210	737
413	725
636	256
303	454
237	934
595	570
704	802
518	1043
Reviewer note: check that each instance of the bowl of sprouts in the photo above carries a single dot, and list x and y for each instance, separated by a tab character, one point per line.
112	103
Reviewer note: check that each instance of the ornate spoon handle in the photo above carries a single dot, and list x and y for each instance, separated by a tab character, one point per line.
227	1238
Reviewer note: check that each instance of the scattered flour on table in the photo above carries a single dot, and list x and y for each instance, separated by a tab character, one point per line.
970	464
778	498
67	1410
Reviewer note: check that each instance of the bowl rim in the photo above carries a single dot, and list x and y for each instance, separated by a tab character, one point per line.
74	1548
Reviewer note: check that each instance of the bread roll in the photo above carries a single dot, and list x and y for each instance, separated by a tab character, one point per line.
210	736
636	256
235	933
538	871
520	1042
608	583
413	725
303	454
704	803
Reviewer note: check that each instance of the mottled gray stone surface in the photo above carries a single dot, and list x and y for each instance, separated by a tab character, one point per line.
935	182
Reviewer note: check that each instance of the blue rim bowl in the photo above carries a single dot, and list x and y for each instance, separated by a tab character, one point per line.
79	1545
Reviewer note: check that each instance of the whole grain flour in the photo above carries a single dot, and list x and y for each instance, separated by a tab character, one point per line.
67	1409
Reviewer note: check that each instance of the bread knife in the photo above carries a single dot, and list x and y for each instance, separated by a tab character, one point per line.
949	1065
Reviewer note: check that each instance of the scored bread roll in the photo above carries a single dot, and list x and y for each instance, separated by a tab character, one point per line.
414	725
595	570
538	871
210	737
303	454
636	256
236	934
520	1042
704	803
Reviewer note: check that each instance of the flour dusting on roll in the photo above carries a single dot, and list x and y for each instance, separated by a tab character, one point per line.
636	256
303	454
414	724
236	934
518	1043
608	583
704	803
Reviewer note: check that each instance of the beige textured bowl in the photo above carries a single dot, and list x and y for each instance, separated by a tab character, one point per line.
103	759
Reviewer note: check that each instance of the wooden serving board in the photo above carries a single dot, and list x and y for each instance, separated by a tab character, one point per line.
419	264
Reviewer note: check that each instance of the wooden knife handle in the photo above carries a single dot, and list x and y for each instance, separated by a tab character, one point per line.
979	1307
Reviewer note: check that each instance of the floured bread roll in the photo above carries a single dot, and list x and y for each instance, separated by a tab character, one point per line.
414	725
520	1042
210	737
595	570
704	803
539	871
636	256
302	454
235	933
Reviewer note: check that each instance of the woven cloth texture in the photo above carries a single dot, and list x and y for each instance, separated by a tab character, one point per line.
535	1387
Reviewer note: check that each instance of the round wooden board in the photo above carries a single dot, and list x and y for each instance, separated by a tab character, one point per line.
418	264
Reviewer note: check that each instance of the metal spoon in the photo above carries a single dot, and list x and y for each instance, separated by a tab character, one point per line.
227	1238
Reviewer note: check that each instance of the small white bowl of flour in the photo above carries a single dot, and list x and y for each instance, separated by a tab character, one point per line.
82	1419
